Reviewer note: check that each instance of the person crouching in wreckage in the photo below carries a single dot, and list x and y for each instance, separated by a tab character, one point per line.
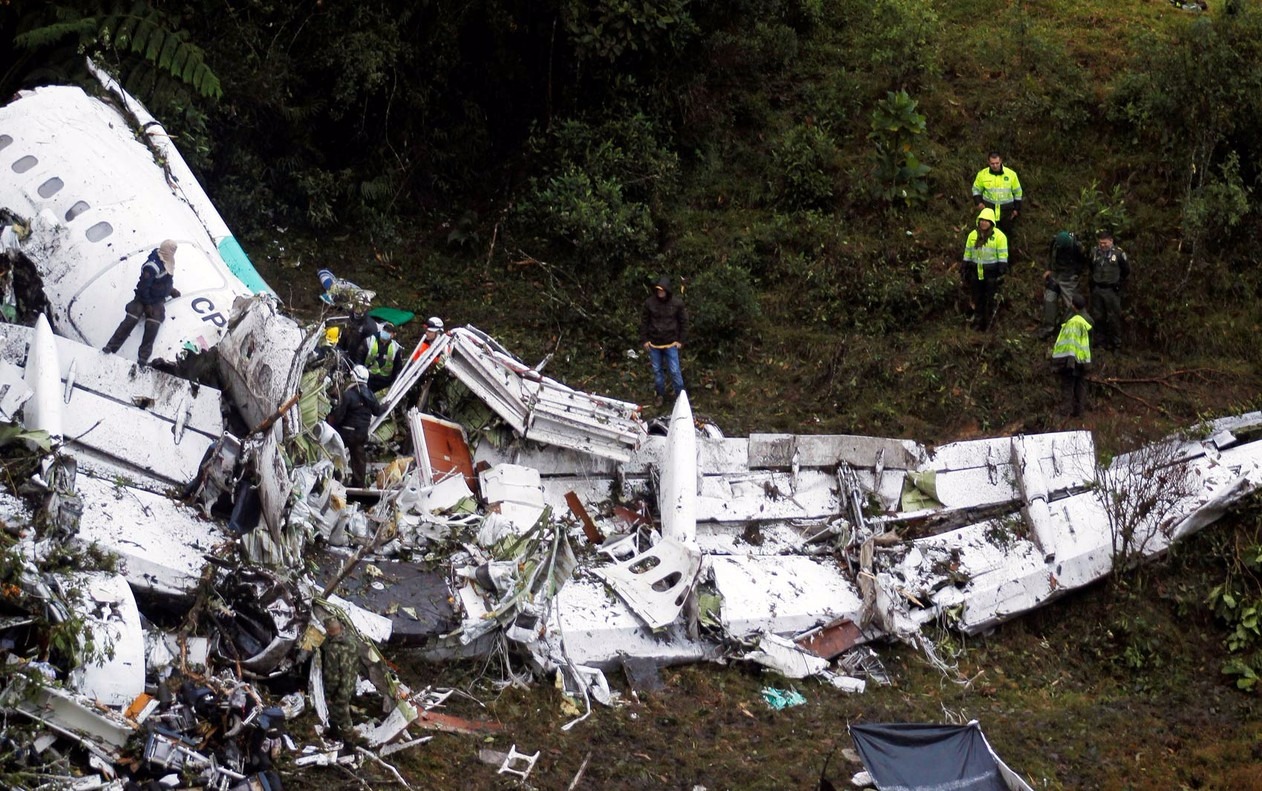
351	417
155	286
339	669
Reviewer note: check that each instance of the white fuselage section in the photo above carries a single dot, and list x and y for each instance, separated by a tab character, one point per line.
98	203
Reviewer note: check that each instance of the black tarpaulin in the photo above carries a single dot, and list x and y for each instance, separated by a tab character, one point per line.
914	757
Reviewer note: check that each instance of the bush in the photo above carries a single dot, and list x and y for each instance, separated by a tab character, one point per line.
602	178
804	165
1216	206
900	175
591	215
722	306
900	38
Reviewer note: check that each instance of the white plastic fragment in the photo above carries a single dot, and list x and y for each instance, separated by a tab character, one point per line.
391	749
786	658
519	764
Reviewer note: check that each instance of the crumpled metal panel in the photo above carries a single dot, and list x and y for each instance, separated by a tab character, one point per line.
540	408
262	358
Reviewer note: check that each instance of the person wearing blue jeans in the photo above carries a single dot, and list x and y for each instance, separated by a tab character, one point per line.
663	330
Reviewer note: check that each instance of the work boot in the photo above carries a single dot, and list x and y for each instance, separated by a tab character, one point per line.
659	399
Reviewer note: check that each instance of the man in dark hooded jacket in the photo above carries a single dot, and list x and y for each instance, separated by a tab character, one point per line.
663	330
153	289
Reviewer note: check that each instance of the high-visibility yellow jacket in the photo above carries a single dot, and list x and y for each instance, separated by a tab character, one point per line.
1074	341
990	255
1001	190
381	364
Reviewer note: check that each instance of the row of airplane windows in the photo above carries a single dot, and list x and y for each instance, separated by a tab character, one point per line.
51	187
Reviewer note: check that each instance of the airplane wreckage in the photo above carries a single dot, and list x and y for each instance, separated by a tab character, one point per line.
509	513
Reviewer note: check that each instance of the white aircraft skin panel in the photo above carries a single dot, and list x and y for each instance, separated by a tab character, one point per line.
783	595
677	499
88	146
117	679
43	410
161	543
122	380
119	413
599	629
766	495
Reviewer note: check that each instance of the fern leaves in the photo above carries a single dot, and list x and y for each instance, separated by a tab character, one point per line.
129	29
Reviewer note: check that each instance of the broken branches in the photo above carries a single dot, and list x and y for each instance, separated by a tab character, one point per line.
1132	396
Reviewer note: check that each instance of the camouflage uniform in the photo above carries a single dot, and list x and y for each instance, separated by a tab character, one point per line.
341	672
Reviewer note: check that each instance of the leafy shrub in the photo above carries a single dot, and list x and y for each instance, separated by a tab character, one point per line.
602	177
590	214
607	29
629	147
1096	210
900	38
1054	89
722	306
1217	205
1237	605
804	167
900	175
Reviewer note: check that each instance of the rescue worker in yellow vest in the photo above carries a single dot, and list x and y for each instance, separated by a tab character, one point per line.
1071	356
998	187
382	355
985	263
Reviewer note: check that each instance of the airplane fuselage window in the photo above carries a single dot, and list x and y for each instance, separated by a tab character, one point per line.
74	211
99	231
51	187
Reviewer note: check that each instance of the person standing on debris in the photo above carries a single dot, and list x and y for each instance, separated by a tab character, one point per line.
155	286
663	330
998	187
984	265
340	671
1066	262
1071	356
351	417
382	355
1109	270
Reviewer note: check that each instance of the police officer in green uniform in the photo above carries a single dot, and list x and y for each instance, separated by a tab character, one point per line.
340	671
1109	270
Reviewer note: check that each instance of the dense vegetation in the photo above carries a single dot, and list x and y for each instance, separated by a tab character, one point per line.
529	165
803	165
